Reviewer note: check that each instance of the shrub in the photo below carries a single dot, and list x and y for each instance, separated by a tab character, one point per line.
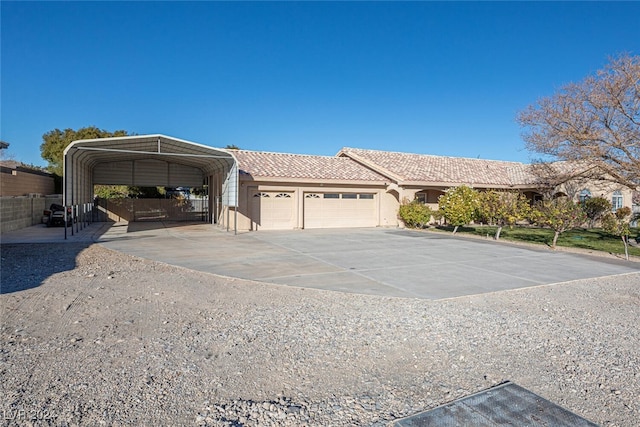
502	208
618	224
459	205
414	214
595	208
559	214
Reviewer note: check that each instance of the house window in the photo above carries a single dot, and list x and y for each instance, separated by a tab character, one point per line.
311	196
331	195
366	196
616	200
261	195
585	195
283	195
421	197
349	196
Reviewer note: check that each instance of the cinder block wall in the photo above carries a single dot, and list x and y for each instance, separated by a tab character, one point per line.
21	182
21	212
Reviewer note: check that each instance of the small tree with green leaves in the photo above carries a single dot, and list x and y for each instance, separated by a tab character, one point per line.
618	224
414	214
111	191
55	141
502	208
459	205
595	208
560	214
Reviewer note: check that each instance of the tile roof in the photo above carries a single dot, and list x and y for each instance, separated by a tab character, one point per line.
301	166
441	169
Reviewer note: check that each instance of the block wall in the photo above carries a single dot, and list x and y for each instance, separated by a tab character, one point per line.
21	182
22	212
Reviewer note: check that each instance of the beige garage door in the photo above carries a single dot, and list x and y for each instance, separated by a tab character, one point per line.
272	210
334	210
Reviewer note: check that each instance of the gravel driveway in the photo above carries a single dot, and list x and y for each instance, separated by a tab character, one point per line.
92	336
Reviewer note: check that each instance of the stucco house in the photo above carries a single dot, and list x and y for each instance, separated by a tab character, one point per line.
364	188
255	190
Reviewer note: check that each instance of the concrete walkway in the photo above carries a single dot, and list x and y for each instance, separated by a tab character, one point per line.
378	261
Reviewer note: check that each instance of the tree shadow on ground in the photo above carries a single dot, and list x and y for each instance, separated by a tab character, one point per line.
28	265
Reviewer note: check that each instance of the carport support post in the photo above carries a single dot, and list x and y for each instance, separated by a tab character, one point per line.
65	177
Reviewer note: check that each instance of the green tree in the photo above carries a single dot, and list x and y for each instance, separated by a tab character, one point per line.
414	214
618	224
146	192
111	191
595	208
502	208
55	141
560	214
459	205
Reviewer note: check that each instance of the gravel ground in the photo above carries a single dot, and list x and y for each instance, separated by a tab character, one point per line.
95	337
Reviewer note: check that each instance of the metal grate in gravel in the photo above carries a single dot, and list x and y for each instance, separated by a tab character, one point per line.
505	404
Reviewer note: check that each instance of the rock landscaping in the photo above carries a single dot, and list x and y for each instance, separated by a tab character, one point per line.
95	337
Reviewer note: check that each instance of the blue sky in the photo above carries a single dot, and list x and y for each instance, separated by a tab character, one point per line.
445	78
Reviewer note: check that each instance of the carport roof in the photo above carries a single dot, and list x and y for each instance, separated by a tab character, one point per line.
91	152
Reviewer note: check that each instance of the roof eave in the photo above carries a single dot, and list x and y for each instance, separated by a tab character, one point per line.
324	181
448	184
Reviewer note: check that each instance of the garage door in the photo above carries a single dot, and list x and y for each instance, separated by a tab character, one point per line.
272	210
334	210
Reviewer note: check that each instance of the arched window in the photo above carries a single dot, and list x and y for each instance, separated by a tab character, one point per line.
616	200
585	195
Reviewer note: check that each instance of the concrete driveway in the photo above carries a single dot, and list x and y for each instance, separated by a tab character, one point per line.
389	262
377	261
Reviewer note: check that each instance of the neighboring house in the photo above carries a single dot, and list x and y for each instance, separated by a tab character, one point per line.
19	180
364	188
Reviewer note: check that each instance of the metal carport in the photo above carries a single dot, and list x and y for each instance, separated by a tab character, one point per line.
151	160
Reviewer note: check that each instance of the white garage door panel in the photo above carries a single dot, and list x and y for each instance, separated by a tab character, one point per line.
273	210
322	212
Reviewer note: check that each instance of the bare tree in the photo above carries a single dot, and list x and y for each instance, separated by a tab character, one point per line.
562	177
595	123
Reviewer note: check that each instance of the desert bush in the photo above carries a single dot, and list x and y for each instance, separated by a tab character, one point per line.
415	214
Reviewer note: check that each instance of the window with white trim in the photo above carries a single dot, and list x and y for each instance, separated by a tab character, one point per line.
617	200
